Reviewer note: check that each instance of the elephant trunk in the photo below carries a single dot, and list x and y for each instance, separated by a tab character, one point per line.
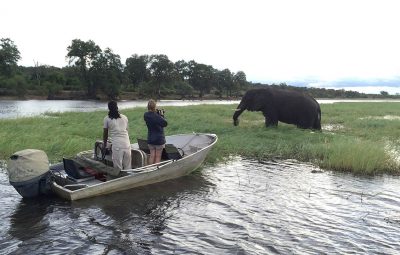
236	115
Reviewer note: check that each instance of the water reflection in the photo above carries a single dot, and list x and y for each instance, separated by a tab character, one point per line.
29	215
243	206
138	217
25	108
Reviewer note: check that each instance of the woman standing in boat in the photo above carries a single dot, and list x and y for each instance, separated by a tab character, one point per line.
155	122
116	126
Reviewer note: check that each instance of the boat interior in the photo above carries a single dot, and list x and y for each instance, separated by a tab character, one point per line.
91	167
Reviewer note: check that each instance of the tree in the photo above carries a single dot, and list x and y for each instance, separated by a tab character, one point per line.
53	80
384	93
136	69
201	77
106	73
83	54
183	70
183	89
161	70
9	56
38	70
240	81
15	86
225	81
72	78
147	88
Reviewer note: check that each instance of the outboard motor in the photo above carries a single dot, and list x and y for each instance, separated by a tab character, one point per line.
28	172
98	155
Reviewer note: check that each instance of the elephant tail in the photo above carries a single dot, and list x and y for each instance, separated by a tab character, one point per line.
317	122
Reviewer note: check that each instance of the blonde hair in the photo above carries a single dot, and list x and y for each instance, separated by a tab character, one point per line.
151	105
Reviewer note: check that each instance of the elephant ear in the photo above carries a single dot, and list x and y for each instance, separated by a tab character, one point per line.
259	100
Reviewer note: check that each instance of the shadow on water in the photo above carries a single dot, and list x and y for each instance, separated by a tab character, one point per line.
135	218
128	222
27	219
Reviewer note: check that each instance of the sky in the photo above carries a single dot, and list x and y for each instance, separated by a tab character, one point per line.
350	44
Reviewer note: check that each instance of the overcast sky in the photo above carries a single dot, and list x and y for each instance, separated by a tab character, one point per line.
308	42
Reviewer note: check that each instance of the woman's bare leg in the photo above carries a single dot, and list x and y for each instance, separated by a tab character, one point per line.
152	158
158	156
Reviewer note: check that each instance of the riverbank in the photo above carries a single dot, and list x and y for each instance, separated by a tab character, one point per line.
361	138
124	95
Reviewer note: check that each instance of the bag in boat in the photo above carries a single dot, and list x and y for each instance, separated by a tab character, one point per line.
74	169
86	159
172	152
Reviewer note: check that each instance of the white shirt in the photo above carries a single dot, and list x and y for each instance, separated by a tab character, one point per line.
118	131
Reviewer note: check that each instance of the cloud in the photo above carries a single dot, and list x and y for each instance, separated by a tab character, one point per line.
372	86
309	42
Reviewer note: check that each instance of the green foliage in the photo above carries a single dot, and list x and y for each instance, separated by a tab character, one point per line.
183	89
106	73
56	77
201	77
16	86
52	88
136	69
95	70
84	55
9	56
224	81
72	78
362	140
147	89
357	156
183	70
161	71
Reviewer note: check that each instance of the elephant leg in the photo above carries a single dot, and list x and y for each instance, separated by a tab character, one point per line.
270	121
302	126
302	123
317	121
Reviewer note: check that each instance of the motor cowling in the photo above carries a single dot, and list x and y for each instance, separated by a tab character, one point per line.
28	171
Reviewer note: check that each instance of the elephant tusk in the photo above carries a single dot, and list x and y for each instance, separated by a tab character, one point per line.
238	109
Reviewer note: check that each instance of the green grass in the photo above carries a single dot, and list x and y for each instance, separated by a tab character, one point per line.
361	140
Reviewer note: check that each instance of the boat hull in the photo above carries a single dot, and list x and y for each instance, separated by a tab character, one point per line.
150	174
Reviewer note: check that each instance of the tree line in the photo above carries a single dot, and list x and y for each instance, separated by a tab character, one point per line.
94	71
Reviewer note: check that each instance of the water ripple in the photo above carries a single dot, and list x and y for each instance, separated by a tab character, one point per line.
243	207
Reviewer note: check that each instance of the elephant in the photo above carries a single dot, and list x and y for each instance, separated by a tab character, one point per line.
287	106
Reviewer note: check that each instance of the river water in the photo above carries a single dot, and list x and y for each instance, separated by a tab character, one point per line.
243	206
240	207
27	108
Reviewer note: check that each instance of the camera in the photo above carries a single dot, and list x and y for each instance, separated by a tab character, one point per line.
160	112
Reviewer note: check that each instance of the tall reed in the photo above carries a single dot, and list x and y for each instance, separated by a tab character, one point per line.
355	136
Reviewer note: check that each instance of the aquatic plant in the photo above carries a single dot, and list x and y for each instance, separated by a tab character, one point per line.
358	146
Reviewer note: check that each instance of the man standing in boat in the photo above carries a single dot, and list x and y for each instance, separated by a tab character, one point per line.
116	126
155	122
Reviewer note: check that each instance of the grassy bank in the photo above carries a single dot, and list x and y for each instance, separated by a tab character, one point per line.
362	138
